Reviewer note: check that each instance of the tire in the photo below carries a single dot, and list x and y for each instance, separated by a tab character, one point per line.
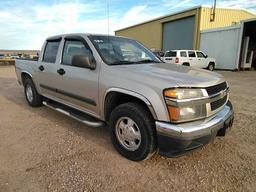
185	64
142	138
211	66
31	94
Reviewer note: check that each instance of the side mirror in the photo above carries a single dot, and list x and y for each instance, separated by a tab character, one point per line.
206	56
83	61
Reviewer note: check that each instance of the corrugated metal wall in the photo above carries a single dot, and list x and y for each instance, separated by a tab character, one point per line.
179	34
223	45
223	17
151	33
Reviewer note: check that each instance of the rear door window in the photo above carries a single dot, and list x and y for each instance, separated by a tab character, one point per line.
191	54
51	50
170	54
183	54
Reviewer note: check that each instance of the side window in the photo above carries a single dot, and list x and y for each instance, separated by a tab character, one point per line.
170	54
72	48
50	51
191	54
200	54
183	54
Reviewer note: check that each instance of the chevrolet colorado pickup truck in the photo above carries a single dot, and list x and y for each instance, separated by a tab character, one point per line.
149	106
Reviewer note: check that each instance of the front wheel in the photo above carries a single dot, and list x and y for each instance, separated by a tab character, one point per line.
211	66
133	131
185	64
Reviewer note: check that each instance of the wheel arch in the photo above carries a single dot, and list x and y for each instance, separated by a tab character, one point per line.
117	96
24	75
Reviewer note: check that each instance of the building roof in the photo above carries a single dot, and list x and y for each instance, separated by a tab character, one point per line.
10	51
182	11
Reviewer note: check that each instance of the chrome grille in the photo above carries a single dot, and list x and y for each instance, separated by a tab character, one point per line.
217	104
219	96
216	88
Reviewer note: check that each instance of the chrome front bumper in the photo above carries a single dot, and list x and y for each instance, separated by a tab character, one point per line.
179	138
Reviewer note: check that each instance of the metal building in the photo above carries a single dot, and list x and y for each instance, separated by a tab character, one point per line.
233	47
182	30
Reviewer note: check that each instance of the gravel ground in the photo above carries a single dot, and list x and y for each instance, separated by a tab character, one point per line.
43	150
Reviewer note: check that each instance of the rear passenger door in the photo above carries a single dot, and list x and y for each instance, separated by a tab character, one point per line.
170	57
78	86
192	59
184	57
46	70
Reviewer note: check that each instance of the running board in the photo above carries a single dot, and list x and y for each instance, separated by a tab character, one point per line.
75	114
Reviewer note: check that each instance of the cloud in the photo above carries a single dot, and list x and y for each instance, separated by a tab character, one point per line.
137	15
247	4
29	22
175	4
27	27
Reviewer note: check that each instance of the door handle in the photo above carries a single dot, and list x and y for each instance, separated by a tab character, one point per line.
41	67
61	71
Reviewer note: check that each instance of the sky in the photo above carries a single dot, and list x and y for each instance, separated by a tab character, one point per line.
25	24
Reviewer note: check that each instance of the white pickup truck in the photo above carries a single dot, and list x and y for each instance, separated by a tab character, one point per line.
193	58
149	106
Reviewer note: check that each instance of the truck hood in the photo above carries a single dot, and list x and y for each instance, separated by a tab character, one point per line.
163	75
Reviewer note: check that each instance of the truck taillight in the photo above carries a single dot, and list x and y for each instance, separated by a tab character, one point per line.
15	67
177	60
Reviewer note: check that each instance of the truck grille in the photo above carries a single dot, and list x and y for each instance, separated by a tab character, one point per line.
217	104
216	88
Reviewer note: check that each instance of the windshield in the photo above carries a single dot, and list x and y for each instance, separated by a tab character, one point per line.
122	51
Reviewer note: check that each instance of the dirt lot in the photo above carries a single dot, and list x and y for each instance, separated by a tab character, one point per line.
43	150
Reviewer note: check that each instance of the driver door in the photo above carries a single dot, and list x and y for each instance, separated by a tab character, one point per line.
77	86
201	59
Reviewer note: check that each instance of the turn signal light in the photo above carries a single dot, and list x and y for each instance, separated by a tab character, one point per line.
170	93
173	113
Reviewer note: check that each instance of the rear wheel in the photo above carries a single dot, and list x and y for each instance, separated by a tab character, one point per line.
133	131
31	94
211	66
186	64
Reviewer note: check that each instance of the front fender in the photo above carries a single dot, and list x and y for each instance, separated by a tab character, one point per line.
131	93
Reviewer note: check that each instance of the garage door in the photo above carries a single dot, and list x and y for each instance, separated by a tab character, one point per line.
179	34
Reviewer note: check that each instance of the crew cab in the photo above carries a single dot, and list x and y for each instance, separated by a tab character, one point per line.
116	82
193	58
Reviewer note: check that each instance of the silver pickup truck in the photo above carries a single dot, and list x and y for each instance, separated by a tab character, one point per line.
149	106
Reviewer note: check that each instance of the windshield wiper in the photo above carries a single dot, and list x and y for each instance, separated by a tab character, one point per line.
134	62
122	62
148	61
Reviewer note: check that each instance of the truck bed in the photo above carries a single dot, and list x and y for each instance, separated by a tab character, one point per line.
25	65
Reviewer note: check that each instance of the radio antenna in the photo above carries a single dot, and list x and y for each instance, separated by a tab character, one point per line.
108	14
213	12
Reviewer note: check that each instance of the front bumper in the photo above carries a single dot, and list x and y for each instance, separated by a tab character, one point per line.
177	139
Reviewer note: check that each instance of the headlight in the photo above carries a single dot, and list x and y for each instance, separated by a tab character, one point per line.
183	93
181	108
